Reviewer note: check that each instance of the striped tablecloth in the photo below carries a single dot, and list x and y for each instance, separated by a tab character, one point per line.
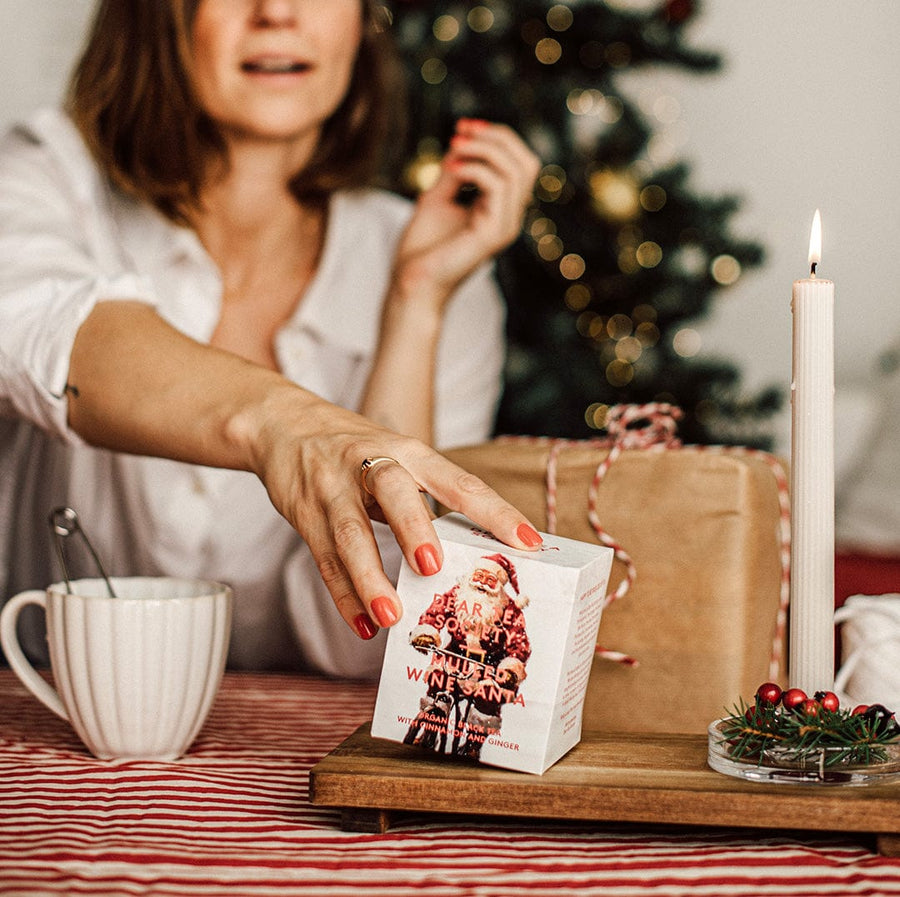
233	817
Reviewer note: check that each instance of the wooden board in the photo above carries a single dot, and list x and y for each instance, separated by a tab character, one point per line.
605	778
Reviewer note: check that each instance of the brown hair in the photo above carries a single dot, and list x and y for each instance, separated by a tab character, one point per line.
132	99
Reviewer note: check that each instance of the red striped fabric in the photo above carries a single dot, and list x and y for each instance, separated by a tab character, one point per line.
233	817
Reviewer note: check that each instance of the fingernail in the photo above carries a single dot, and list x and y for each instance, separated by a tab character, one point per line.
364	626
427	559
383	609
529	535
476	123
460	140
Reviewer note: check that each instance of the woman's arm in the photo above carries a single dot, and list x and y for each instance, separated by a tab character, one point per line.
138	385
444	244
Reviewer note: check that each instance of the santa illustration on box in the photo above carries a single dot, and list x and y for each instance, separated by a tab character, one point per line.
480	666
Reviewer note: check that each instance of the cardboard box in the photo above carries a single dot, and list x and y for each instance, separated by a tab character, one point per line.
492	658
705	616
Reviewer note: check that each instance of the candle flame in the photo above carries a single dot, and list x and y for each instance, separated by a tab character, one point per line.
815	242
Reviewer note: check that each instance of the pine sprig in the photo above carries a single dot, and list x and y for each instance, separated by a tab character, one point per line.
766	731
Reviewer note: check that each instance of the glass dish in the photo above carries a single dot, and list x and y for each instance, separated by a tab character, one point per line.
779	764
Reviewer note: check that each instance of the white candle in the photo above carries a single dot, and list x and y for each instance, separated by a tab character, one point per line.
812	478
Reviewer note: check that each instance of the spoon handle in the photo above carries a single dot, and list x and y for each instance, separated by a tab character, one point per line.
64	523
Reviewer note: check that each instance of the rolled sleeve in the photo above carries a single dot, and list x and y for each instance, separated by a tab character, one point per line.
38	324
58	257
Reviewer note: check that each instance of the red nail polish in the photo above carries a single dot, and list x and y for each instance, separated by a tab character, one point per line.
528	535
383	609
364	626
427	559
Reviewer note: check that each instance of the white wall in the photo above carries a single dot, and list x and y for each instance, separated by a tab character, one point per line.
39	40
802	116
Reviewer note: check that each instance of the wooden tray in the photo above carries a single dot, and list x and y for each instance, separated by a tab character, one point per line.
663	779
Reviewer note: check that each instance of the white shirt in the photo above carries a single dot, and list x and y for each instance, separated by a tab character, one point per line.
66	241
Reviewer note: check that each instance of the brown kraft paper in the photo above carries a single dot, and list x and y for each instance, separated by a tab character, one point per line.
704	531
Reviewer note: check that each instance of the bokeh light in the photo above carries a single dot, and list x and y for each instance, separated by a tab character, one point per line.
619	326
425	168
550	182
596	329
433	71
629	349
690	260
548	50
550	247
647	333
725	269
572	266
584	321
627	260
619	373
649	254
445	28
578	296
560	17
541	226
653	198
687	342
480	19
583	101
595	415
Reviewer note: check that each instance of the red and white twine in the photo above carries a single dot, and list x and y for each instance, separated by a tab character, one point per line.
652	427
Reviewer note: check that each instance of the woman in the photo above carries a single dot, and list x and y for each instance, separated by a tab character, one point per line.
189	272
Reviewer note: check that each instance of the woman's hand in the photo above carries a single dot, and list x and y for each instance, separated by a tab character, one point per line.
443	244
310	456
447	240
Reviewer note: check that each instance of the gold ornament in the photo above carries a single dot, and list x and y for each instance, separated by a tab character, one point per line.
616	195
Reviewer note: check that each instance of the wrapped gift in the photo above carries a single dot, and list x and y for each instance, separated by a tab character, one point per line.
492	659
704	534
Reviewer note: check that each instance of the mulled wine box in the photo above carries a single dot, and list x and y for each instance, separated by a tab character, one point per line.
492	657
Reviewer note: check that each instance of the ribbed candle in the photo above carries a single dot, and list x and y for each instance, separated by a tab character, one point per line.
811	665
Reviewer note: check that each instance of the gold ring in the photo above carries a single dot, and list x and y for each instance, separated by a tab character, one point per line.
368	464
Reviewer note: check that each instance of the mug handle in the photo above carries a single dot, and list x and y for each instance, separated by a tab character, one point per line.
35	683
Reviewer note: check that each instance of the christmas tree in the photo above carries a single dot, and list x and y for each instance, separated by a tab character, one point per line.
618	255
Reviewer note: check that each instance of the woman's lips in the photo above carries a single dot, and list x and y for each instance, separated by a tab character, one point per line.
274	66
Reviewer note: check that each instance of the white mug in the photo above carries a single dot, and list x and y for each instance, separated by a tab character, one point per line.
136	674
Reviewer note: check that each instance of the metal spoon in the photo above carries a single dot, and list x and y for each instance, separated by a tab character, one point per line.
64	523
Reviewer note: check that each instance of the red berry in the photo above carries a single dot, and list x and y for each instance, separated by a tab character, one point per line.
881	719
792	698
768	693
859	709
810	707
751	714
829	701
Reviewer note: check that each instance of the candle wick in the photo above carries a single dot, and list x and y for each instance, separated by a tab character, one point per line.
812	269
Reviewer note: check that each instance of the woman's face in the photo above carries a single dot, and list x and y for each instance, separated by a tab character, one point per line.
274	69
